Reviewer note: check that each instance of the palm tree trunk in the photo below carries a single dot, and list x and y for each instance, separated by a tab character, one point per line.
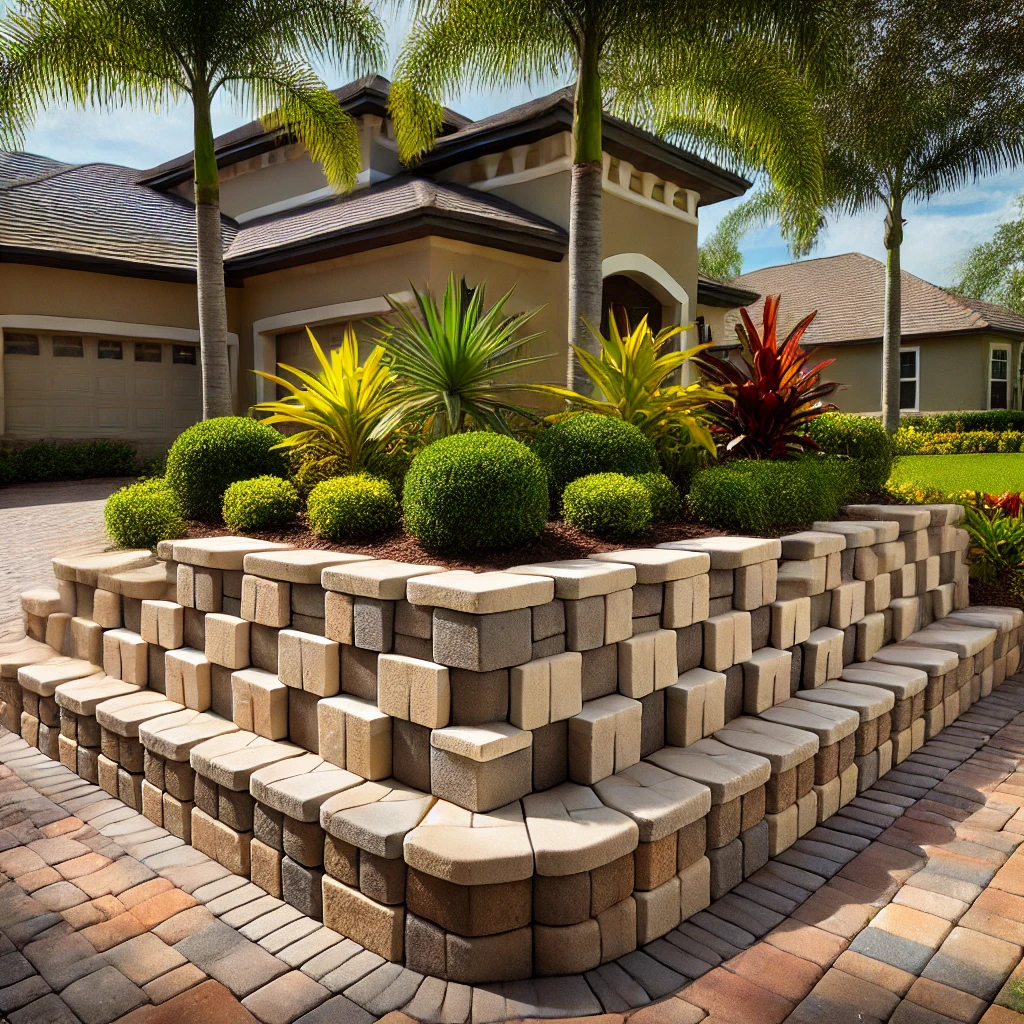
585	251
892	318
213	312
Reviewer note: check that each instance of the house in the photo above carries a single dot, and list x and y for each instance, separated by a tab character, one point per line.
97	262
956	353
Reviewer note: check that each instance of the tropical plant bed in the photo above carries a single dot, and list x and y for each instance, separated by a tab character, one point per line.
560	540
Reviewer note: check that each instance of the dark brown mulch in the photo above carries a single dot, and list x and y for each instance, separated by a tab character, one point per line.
558	541
984	593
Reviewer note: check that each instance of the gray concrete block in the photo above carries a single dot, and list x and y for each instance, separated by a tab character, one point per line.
548	619
410	754
302	887
550	755
726	868
600	671
481	785
689	647
482	642
478	697
268	826
373	624
359	672
755	848
652	722
262	647
303	728
584	623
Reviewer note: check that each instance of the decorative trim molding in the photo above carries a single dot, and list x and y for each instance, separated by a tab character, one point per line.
119	328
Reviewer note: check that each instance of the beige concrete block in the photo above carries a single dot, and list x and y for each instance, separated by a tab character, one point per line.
801	578
906	617
658	911
685	602
694	706
339	623
187	678
57	635
568	949
847	604
848	784
479	593
265	867
309	662
719	642
152	803
178	816
567	684
604	738
618	930
87	640
414	690
241	699
227	640
268	602
810	544
891	555
829	798
658	565
791	622
267	699
106	609
822	657
618	616
355	735
877	594
578	578
381	929
730	552
928	574
766	679
647	663
807	812
163	623
694	888
833	570
381	579
530	695
783	829
870	636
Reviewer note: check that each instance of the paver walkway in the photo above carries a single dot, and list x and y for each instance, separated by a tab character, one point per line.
907	906
38	521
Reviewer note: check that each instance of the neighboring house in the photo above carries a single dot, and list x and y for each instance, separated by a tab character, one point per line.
955	353
97	278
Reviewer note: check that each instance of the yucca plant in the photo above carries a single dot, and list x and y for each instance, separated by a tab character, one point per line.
341	409
630	375
774	395
453	363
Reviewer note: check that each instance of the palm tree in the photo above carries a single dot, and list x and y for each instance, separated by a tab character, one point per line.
730	62
156	52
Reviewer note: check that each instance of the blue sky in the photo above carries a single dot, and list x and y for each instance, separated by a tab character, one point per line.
938	234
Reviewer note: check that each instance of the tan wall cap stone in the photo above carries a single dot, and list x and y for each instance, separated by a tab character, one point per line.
571	830
659	565
81	696
86	568
381	578
298	786
19	653
812	544
376	816
1003	619
480	593
173	736
944	515
659	802
43	678
577	578
481	742
467	848
299	565
155	582
221	552
857	535
902	680
231	759
868	701
966	640
933	660
124	715
165	550
909	517
41	601
830	724
784	747
730	552
727	772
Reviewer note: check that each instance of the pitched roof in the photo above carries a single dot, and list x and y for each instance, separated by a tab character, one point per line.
19	166
366	95
712	292
848	292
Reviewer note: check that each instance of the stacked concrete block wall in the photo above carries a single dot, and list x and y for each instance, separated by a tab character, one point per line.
494	775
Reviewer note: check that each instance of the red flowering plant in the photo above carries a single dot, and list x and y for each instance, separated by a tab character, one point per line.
775	393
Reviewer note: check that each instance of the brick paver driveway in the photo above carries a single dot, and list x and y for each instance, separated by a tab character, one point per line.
38	521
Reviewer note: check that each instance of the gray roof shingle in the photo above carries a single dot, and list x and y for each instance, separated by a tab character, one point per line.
848	292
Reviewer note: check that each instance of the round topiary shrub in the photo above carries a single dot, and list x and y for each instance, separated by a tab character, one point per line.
263	503
354	507
591	443
140	515
666	504
608	505
210	456
860	439
475	492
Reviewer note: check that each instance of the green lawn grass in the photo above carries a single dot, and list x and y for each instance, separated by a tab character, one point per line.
991	473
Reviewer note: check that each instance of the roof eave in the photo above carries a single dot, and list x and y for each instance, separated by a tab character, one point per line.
715	293
95	264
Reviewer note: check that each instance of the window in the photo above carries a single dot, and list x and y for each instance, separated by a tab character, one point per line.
148	352
67	346
184	354
909	377
16	344
999	377
109	349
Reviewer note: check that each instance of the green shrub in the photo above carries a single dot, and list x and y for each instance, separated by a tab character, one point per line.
591	443
666	504
8	467
763	496
961	422
353	507
210	456
859	438
76	460
608	505
263	503
911	441
1010	442
475	492
140	515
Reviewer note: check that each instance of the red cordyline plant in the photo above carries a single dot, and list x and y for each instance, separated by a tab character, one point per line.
775	395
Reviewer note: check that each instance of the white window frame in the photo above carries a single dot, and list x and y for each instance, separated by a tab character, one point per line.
916	349
1006	347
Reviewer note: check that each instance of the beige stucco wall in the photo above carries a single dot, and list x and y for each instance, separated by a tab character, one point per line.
714	317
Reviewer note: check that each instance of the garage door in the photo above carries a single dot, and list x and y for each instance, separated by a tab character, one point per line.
71	386
294	349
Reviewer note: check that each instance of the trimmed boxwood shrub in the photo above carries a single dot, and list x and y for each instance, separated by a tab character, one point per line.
590	443
210	456
263	503
765	496
608	505
961	422
140	515
44	461
666	504
475	492
353	507
859	438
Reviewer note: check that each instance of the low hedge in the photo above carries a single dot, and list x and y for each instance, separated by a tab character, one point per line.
263	503
860	439
608	505
963	422
767	496
353	507
143	514
911	441
46	461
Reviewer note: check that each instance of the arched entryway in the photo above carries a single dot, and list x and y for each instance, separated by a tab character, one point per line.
629	301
